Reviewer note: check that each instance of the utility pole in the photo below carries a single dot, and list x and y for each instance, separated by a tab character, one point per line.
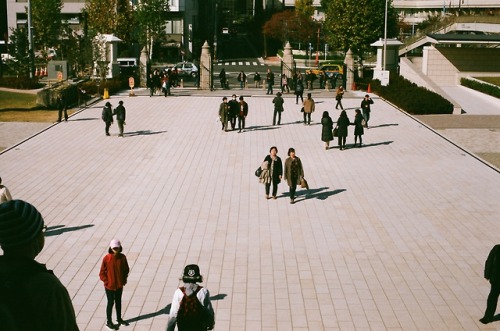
317	49
30	41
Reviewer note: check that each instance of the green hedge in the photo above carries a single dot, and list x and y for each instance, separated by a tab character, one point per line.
21	83
412	98
481	87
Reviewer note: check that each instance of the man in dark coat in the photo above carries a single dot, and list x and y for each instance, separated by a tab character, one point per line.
62	107
234	108
107	116
269	81
242	114
365	108
278	107
120	117
492	274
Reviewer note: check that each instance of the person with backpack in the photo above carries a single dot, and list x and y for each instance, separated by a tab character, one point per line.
114	273
31	296
107	117
191	308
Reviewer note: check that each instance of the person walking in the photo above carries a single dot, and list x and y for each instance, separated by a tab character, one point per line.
62	107
224	113
342	124
309	107
114	273
151	85
358	128
222	79
299	89
272	172
191	308
492	274
242	114
4	193
278	107
256	79
284	84
326	129
234	108
365	107
293	172
269	81
120	117
242	78
338	97
107	117
31	296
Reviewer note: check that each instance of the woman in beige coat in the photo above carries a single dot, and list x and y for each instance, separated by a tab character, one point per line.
308	109
293	172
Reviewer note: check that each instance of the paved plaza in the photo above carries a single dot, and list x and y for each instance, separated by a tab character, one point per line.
390	236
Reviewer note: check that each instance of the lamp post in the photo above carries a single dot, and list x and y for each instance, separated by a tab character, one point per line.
385	37
30	42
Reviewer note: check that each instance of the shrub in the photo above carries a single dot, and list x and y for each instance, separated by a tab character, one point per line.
412	98
481	87
20	83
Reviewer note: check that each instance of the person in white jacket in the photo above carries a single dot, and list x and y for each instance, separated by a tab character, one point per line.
191	308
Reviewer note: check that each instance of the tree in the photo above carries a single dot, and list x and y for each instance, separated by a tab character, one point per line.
304	7
356	24
100	18
46	21
290	26
19	50
151	16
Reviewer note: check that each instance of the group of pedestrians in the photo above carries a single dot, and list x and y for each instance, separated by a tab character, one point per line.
230	111
107	116
272	173
161	82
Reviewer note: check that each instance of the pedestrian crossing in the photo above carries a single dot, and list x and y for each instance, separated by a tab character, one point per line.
239	63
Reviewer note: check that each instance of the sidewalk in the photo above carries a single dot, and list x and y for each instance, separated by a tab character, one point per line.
391	236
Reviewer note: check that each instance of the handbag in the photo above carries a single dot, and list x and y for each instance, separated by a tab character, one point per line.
258	172
336	131
303	183
302	109
363	122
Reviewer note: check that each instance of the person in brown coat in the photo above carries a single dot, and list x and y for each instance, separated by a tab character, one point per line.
309	107
293	172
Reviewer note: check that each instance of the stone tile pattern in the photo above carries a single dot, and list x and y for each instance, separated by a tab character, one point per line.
391	236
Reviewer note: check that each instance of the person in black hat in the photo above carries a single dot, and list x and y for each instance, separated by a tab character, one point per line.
107	116
492	274
32	297
191	308
120	117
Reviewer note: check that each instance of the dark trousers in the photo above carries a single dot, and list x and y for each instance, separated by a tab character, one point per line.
275	188
300	94
360	139
241	122
108	125
277	113
269	88
120	126
61	111
293	188
114	298
491	303
366	116
342	140
307	118
339	103
232	119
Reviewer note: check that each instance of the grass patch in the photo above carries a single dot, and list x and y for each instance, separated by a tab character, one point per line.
22	107
491	80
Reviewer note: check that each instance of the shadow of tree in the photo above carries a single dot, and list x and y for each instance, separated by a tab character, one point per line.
59	229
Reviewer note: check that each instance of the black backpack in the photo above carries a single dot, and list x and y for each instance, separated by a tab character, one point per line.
191	315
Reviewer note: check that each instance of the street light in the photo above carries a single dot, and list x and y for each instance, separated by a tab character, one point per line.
385	37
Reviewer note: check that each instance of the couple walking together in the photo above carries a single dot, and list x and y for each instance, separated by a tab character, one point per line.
272	172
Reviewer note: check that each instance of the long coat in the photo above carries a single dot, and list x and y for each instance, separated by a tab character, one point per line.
224	112
288	171
326	129
309	106
343	123
358	126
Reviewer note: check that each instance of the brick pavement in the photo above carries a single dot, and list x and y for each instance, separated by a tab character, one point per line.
391	236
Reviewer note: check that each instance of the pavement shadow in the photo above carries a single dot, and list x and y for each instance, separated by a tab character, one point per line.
496	318
84	119
315	193
383	125
218	297
59	229
142	133
163	311
375	144
261	128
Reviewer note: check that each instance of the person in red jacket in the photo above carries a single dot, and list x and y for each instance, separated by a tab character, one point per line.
114	273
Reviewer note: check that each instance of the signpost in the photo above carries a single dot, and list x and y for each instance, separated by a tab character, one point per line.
131	83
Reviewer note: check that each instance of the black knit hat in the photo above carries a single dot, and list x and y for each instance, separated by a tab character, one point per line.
20	223
192	274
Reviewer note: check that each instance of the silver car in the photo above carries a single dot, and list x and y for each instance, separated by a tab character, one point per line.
186	69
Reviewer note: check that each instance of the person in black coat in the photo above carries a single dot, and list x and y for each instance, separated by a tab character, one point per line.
358	128
275	167
492	274
342	124
234	108
62	107
107	116
120	117
278	107
365	106
326	129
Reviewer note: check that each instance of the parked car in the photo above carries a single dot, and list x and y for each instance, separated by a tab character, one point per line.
186	69
330	70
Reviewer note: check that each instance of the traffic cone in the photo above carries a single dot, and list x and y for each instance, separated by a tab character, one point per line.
106	94
36	72
369	88
45	71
